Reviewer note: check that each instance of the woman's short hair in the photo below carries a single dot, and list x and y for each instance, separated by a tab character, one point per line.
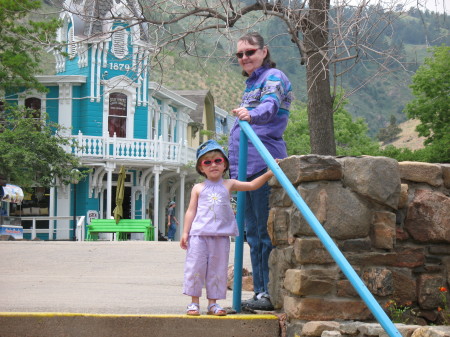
256	39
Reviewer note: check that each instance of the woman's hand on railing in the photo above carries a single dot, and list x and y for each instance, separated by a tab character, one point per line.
242	113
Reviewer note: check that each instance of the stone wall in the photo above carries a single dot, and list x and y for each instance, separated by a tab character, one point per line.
360	329
391	221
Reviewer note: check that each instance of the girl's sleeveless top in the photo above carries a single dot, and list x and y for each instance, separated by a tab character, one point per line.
215	216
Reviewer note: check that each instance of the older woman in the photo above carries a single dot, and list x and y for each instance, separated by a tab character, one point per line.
265	105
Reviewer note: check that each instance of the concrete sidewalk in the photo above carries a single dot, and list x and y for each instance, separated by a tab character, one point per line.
109	289
106	277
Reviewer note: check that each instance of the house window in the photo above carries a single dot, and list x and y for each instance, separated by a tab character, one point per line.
117	118
156	122
154	125
34	106
35	203
169	129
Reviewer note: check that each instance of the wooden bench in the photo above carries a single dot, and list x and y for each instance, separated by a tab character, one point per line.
121	229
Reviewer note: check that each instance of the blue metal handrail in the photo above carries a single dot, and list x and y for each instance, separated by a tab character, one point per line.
239	244
372	304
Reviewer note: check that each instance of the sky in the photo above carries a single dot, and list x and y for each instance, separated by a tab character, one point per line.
439	6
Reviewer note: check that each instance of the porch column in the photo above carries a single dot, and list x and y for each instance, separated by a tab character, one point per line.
109	170
144	183
181	202
164	124
51	212
156	172
65	108
143	197
143	204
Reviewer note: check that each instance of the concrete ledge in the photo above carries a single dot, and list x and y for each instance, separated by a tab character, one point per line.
17	324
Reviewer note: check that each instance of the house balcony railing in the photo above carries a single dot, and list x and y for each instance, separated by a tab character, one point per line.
132	149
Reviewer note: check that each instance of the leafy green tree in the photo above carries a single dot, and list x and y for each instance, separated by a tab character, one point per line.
389	133
429	154
351	136
431	88
297	130
31	152
21	43
352	139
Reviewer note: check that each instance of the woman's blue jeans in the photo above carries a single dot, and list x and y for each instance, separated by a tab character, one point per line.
256	215
172	230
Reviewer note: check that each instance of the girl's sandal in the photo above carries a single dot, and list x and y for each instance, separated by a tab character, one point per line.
193	309
216	310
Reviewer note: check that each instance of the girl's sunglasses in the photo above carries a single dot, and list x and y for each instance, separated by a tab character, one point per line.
209	162
247	53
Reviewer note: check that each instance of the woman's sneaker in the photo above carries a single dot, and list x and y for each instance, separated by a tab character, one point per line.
260	301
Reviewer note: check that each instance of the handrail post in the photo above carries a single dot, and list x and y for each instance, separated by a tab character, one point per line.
321	233
240	218
81	230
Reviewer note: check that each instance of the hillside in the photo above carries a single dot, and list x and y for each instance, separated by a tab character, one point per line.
186	73
376	102
408	137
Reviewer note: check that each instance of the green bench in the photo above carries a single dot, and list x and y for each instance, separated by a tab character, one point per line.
121	229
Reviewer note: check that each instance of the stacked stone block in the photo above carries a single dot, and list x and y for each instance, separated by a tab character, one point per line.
391	221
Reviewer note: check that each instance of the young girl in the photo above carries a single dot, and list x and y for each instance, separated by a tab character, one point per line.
208	224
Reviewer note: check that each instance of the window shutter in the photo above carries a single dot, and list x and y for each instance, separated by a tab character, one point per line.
120	43
72	47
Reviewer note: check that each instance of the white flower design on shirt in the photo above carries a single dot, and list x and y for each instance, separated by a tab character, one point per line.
214	199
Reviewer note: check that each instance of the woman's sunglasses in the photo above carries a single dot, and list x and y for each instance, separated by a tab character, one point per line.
209	162
247	53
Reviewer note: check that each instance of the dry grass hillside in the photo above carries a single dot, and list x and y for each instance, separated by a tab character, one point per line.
225	82
409	137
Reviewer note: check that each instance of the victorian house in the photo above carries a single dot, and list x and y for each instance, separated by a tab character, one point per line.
117	116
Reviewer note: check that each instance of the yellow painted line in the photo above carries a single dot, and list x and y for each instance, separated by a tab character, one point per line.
68	314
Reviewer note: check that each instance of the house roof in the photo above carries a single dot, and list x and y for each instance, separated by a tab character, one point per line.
160	91
102	10
199	97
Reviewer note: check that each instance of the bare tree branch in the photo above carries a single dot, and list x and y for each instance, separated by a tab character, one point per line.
341	34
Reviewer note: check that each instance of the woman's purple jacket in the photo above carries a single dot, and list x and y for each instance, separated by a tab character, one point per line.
267	97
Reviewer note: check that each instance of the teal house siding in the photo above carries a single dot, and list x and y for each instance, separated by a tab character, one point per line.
72	68
12	99
91	118
141	123
84	204
52	103
175	126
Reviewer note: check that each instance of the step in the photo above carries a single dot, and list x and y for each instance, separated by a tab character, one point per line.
20	324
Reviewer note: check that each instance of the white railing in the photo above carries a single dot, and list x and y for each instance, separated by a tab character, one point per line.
135	149
80	227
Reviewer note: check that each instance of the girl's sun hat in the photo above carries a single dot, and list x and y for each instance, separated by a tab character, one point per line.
208	146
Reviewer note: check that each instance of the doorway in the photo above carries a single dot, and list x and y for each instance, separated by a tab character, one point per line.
126	205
